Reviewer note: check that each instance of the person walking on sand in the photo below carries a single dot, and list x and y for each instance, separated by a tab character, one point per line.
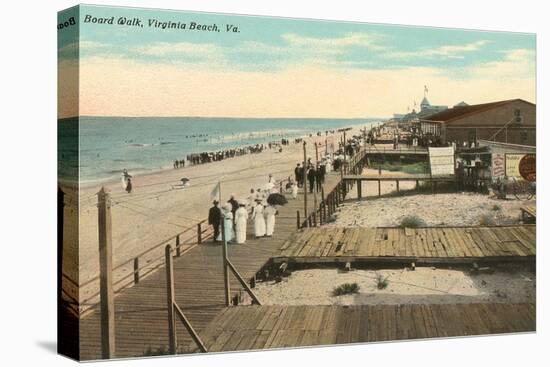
129	185
241	218
214	219
269	213
259	220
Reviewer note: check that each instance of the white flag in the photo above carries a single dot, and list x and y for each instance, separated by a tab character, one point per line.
215	192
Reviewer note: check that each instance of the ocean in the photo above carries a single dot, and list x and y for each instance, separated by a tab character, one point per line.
147	144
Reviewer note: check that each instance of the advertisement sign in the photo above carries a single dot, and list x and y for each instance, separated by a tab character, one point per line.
521	166
497	165
442	161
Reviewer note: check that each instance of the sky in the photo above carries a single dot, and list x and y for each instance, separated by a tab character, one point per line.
279	67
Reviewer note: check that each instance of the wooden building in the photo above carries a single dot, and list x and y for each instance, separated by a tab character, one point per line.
511	121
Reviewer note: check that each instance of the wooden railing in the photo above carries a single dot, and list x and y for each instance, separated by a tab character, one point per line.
143	265
329	203
174	310
383	150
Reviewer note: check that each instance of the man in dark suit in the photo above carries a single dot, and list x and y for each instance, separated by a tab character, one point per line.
311	176
214	219
298	175
321	170
234	207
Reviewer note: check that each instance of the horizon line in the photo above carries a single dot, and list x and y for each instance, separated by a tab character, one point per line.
227	117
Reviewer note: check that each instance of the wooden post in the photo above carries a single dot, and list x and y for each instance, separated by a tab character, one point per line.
316	155
136	270
397	185
172	338
178	249
304	180
379	190
324	216
225	270
359	194
298	219
199	232
106	276
343	184
314	202
344	147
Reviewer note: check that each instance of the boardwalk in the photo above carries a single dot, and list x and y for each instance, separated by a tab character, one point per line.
457	244
141	319
141	312
263	327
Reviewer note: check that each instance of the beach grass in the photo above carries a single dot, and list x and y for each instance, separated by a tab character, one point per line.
412	221
346	288
381	282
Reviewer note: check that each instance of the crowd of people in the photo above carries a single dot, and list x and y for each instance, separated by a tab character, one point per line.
214	156
208	157
235	215
315	174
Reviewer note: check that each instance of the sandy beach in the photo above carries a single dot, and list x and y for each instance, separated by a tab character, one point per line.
425	285
155	211
441	209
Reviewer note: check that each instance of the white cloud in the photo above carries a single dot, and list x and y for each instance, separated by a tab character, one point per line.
448	51
348	40
515	63
163	49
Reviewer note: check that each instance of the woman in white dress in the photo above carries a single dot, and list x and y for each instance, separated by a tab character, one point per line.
227	223
270	213
241	217
294	189
259	220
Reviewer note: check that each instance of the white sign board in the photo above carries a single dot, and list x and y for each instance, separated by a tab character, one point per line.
442	161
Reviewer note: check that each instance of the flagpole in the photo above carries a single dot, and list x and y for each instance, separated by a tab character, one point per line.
224	251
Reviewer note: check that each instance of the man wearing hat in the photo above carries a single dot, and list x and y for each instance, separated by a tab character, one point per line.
214	219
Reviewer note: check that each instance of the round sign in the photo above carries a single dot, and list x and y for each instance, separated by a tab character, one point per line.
528	167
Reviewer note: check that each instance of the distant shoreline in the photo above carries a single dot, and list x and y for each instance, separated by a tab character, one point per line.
85	184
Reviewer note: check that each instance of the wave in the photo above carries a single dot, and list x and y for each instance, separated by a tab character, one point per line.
140	145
